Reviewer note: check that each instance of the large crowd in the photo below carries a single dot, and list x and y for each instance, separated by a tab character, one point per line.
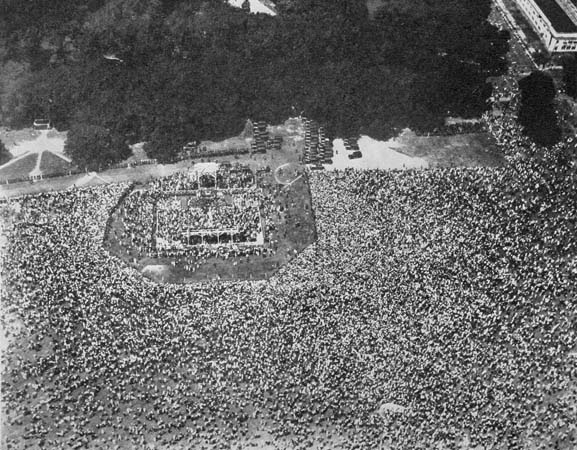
223	177
191	218
446	292
229	217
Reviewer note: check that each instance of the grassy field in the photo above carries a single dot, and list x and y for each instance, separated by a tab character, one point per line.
294	231
19	168
461	150
52	164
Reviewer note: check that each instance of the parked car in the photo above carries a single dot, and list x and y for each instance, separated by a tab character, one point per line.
355	155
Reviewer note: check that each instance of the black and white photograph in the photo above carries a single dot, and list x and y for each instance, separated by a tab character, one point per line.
288	224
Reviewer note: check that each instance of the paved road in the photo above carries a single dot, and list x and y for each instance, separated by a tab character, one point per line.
520	58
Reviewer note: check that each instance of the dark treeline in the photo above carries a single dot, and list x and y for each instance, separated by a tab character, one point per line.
169	71
537	111
569	62
5	155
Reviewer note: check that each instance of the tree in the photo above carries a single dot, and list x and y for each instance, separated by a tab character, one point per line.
163	146
5	155
13	76
570	74
537	112
196	69
93	147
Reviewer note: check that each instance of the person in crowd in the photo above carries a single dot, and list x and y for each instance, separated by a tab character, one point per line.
447	293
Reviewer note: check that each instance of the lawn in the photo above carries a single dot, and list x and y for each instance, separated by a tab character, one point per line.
461	150
53	164
19	168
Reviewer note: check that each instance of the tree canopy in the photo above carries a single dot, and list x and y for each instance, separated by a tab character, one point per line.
5	155
93	147
537	112
570	74
175	70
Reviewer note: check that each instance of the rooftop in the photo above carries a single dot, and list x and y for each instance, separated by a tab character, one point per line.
559	19
257	6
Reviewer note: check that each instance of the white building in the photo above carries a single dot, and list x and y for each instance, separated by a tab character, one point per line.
555	21
257	6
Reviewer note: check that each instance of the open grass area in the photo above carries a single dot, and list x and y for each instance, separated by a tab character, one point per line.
53	164
18	168
461	150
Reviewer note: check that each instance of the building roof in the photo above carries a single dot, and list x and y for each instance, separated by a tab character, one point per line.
257	6
559	19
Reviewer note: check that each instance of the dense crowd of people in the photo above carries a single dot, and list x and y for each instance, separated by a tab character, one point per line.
183	218
226	218
446	292
223	177
136	215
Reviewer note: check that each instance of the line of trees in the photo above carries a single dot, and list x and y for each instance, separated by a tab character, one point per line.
173	71
93	147
5	155
537	111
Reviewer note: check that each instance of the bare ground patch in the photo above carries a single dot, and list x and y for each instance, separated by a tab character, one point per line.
462	150
12	137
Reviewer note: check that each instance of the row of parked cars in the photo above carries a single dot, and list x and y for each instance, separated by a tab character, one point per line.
352	147
318	148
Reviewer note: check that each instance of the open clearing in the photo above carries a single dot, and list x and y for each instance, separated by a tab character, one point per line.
26	140
376	155
26	146
52	163
19	167
461	150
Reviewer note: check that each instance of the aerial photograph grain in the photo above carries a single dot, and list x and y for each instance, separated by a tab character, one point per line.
288	224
